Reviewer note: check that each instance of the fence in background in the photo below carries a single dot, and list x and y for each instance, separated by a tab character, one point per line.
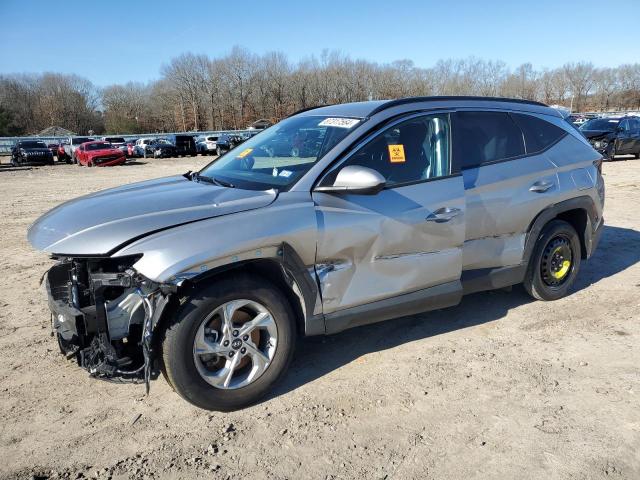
6	143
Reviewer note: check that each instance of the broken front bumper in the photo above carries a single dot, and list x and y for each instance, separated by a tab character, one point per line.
105	320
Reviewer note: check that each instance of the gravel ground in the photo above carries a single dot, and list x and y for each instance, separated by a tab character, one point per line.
498	387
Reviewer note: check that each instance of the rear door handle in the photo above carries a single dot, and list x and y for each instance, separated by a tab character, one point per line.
541	186
443	214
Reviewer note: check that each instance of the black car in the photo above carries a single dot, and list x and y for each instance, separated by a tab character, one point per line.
184	144
31	152
614	135
227	141
160	148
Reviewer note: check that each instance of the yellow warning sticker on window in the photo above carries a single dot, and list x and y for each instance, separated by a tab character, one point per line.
396	153
245	152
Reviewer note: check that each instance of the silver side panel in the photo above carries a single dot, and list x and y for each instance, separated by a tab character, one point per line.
372	247
501	206
192	249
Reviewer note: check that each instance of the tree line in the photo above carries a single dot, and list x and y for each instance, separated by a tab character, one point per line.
197	92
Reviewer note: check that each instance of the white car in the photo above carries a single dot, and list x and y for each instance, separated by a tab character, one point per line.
207	144
141	146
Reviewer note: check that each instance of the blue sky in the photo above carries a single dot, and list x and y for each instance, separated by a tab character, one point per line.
116	41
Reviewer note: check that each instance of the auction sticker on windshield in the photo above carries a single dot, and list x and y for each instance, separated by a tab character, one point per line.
245	152
338	122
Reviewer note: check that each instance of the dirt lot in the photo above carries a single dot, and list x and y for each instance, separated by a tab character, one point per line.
498	387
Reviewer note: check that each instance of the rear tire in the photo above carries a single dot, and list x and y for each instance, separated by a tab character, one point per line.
548	275
178	349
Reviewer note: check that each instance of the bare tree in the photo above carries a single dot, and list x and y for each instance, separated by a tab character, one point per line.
581	79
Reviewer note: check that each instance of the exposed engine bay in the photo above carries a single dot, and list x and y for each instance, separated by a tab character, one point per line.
104	314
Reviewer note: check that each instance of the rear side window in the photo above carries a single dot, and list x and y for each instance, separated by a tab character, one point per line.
485	137
538	134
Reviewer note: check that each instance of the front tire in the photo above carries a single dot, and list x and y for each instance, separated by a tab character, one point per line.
229	343
611	151
555	262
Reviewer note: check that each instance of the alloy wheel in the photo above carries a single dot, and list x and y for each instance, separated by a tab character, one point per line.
235	344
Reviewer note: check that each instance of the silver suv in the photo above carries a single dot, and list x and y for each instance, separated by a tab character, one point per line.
336	217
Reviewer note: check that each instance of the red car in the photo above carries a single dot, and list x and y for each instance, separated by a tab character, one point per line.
61	154
131	148
99	154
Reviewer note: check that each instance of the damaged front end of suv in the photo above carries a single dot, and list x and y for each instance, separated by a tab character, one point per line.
104	315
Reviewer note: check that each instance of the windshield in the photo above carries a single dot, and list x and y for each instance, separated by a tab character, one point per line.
97	146
114	139
32	144
162	141
79	140
606	124
282	154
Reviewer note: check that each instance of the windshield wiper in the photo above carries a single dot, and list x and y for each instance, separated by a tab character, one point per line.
214	181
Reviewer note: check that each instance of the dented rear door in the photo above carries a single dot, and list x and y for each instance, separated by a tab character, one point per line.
401	240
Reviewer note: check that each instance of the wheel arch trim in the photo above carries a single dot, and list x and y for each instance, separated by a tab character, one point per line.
282	265
586	229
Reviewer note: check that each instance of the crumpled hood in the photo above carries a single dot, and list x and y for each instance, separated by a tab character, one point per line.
99	223
596	134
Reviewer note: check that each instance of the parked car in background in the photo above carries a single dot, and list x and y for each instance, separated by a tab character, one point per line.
613	136
31	152
227	141
130	145
206	145
99	154
185	144
117	142
403	207
53	147
161	148
72	144
61	154
139	149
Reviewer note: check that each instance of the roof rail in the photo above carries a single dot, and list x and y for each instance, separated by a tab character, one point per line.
306	110
402	101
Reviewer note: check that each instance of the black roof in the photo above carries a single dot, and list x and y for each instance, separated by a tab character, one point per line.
370	108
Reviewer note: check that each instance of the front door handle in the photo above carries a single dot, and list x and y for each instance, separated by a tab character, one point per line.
443	214
541	186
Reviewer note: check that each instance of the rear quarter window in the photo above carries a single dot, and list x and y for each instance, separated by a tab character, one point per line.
485	137
538	134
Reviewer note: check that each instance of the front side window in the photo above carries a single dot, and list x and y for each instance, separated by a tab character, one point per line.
280	155
485	137
624	126
411	151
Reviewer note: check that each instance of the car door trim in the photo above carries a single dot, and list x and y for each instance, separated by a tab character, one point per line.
432	298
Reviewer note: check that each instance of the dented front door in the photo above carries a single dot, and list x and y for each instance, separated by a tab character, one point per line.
401	240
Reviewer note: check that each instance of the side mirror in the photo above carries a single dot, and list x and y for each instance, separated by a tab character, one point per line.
356	179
